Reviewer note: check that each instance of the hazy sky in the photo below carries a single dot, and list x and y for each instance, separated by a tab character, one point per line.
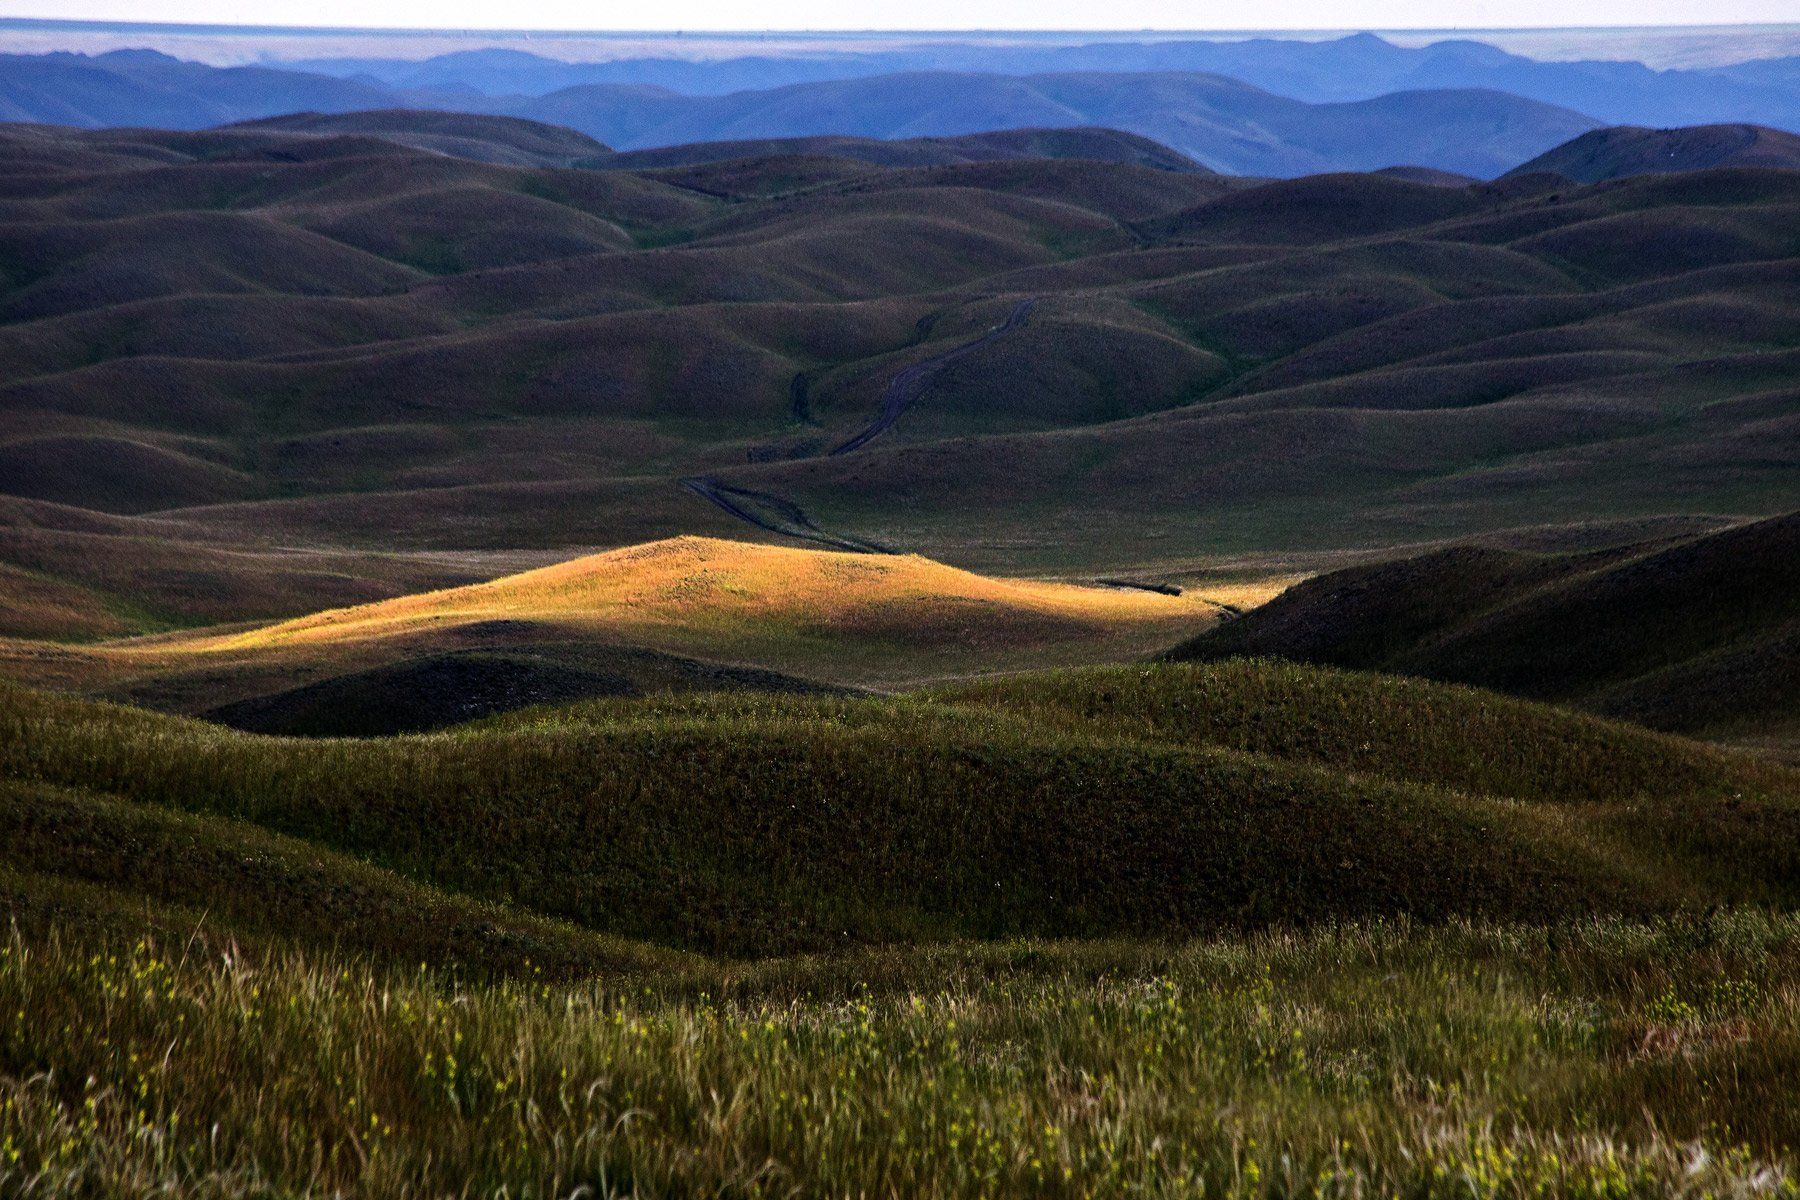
920	14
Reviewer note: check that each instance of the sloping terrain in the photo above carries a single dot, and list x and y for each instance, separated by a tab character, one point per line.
507	141
1616	153
252	373
1700	634
1129	800
623	623
1093	145
414	695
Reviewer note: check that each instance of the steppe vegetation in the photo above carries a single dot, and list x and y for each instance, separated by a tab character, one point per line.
406	790
1600	1058
1245	929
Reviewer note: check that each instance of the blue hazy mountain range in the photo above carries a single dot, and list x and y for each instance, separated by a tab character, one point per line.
1270	107
1359	67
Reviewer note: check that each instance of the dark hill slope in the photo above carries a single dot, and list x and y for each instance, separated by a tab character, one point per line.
1161	802
504	141
332	343
1699	634
1096	145
434	691
1627	150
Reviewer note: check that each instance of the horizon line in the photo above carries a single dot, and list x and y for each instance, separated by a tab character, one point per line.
761	31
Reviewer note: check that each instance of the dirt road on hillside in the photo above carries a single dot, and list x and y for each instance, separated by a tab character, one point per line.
770	512
905	387
766	510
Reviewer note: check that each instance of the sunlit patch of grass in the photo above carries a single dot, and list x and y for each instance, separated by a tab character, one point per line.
717	583
842	617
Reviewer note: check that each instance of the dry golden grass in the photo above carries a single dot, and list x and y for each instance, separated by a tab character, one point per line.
851	618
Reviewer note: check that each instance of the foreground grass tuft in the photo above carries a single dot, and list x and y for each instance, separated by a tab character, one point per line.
1603	1059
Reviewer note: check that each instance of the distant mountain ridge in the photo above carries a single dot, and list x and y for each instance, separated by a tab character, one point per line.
1357	67
147	89
1222	123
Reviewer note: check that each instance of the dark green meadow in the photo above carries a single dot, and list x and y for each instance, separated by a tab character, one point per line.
1238	928
1134	800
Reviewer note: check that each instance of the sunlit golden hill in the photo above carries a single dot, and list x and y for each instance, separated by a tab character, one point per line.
692	587
842	618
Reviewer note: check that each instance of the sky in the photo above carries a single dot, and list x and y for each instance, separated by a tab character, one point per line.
919	14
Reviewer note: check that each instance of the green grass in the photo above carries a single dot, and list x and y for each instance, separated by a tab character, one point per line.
1148	800
1602	1059
1237	929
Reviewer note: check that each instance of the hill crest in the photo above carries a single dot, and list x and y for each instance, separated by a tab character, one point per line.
1626	150
684	578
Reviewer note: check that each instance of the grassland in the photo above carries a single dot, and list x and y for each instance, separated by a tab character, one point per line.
277	384
1244	928
836	618
1109	801
1695	633
1599	1059
297	441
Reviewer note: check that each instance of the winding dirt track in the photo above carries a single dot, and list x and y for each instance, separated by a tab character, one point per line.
905	387
766	510
770	512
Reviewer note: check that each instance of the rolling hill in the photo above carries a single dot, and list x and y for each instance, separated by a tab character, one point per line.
652	618
507	141
1087	144
994	893
1700	633
1616	153
1136	800
251	373
412	782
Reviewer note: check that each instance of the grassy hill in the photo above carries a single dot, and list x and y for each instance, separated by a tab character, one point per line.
649	618
1696	633
1149	800
1000	145
1311	900
507	141
273	371
1616	153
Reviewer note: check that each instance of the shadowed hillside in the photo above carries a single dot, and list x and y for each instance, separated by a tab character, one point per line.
249	373
507	141
1142	800
1698	634
1093	145
1615	153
